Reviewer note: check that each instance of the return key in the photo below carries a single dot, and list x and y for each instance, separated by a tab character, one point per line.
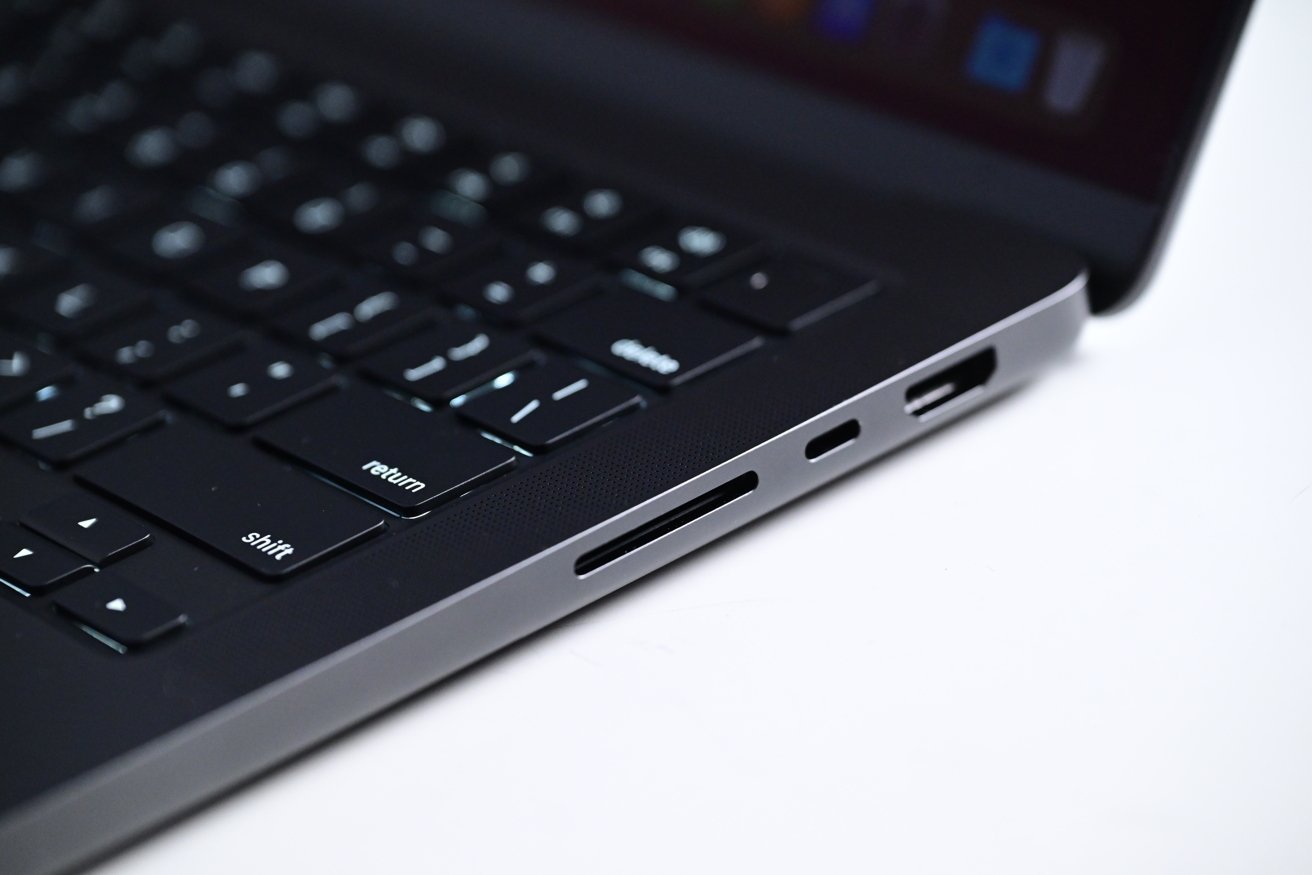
391	453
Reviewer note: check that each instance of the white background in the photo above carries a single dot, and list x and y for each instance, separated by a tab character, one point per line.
1073	634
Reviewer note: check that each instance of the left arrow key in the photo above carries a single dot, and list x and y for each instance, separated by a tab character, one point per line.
30	563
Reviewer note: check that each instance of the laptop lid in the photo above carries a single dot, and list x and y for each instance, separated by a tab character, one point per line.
1076	118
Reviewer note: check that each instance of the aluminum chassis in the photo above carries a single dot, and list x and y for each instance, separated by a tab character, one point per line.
110	806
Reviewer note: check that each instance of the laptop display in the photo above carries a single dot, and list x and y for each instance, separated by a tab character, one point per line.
1096	90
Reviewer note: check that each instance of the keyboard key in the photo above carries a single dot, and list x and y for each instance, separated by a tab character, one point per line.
353	321
79	419
447	360
340	104
326	110
189	139
241	85
786	294
100	110
171	240
443	204
24	369
408	144
525	287
297	120
28	170
332	209
262	515
498	178
396	455
16	87
78	301
120	611
246	179
89	527
23	263
90	206
31	563
55	57
105	23
427	250
257	383
587	217
165	56
162	345
655	342
256	279
686	255
548	405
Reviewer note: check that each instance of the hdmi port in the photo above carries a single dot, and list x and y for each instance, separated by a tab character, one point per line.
964	380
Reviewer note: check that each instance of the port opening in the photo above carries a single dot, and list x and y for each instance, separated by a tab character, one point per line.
666	523
961	381
834	439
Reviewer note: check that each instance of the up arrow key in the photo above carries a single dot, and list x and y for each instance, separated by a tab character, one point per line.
117	605
23	553
91	528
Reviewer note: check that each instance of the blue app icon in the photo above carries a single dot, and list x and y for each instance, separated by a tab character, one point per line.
845	20
1004	54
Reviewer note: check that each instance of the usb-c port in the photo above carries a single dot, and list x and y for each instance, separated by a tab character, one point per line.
834	439
965	379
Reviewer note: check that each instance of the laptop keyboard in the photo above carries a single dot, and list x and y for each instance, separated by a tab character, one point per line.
279	318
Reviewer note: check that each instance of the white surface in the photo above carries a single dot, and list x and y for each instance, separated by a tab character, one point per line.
1071	635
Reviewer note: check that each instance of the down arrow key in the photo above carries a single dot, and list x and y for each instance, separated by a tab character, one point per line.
120	614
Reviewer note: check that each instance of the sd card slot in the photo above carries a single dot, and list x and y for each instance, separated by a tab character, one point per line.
668	522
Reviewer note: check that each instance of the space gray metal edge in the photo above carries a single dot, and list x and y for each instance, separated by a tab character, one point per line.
180	770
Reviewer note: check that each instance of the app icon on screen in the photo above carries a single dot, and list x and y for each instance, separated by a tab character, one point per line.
1077	62
1004	54
845	20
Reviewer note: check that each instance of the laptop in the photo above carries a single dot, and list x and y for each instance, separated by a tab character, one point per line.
343	344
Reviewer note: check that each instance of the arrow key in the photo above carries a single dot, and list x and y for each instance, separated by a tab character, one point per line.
89	527
117	610
31	563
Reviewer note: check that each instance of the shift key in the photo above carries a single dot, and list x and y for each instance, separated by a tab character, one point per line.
264	516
